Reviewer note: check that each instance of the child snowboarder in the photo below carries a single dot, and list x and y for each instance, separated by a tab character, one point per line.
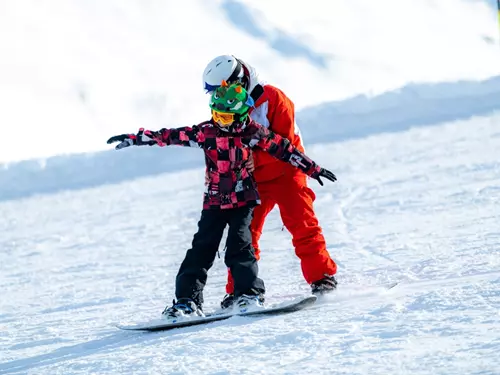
229	199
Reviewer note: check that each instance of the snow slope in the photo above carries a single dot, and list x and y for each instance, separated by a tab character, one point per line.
73	72
420	206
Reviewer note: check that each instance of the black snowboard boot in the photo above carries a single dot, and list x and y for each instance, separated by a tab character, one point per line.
325	285
227	302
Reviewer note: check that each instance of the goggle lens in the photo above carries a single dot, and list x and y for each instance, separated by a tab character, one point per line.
223	119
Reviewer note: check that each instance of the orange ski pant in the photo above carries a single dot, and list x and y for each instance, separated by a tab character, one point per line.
295	203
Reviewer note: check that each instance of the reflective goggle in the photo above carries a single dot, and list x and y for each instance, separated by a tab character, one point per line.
223	119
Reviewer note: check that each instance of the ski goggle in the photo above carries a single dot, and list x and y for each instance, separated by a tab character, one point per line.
223	119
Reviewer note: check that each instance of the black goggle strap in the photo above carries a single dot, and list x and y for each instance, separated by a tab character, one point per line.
236	74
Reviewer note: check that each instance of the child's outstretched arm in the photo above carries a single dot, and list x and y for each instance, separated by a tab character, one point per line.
282	149
186	136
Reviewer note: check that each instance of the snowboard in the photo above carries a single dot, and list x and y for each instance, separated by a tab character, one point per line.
164	325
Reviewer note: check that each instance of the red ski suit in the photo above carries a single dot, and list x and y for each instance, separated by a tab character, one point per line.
283	185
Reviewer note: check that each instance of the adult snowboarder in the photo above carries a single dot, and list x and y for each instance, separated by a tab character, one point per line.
279	185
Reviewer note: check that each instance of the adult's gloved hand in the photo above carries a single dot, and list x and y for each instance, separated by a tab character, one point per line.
322	172
142	138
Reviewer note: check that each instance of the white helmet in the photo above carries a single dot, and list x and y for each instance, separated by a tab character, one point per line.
224	67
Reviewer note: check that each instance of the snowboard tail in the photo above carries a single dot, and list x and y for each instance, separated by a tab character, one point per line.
163	325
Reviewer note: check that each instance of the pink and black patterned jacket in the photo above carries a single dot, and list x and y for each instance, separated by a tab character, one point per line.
226	157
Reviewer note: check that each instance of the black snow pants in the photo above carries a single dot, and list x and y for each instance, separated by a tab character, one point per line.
239	257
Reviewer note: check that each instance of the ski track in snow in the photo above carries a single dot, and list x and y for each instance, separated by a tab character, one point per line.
421	207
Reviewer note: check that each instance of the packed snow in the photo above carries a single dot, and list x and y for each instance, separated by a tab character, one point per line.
400	99
420	207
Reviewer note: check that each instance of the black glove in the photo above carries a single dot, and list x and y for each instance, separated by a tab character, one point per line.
322	172
125	140
142	138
